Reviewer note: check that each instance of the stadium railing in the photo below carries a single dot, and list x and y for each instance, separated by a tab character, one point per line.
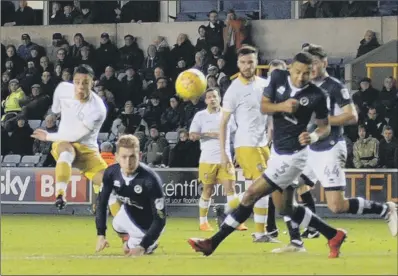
371	66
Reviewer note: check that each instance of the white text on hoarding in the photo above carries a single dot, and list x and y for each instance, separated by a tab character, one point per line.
14	185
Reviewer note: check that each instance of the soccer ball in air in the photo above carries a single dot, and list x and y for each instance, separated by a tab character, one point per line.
191	84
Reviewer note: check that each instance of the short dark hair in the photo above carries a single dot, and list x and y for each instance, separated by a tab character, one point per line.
211	89
247	50
303	57
388	127
361	126
277	63
85	69
315	50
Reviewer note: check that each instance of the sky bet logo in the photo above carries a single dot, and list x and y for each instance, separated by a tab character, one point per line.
14	185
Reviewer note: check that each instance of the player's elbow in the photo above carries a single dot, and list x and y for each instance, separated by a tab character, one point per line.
352	118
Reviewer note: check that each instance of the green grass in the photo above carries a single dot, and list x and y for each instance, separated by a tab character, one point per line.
65	245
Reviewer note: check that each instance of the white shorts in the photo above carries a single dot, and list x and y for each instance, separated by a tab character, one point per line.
328	166
284	169
308	175
122	224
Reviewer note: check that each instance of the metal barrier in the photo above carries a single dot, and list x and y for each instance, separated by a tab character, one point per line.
371	66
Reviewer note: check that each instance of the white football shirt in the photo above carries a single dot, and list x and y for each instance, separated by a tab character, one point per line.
244	101
203	122
77	117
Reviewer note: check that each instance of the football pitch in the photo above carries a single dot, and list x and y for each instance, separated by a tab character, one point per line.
65	245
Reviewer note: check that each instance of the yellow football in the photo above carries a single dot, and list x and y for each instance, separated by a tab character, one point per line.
191	84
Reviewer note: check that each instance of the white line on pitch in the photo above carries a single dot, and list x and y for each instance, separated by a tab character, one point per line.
52	257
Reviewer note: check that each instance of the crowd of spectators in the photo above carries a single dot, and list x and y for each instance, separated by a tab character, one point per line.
138	89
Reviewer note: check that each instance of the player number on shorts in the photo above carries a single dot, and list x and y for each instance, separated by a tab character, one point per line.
290	118
283	168
335	171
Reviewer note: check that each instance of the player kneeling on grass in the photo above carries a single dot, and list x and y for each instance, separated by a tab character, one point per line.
142	217
205	127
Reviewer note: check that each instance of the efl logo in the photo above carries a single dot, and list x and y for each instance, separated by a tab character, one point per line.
45	187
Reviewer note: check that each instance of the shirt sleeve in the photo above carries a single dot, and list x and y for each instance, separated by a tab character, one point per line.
195	124
56	106
270	89
78	133
321	109
342	96
157	201
229	102
102	208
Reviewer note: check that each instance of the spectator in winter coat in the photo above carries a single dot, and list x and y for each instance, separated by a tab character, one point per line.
171	117
5	79
129	120
132	86
153	111
388	98
25	15
11	103
374	124
214	30
36	105
154	147
388	149
26	47
201	43
111	83
366	96
21	142
57	14
107	53
366	150
19	63
47	85
186	153
130	54
368	43
183	49
44	147
152	61
106	150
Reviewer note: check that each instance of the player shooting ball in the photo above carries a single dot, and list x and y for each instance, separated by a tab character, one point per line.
75	143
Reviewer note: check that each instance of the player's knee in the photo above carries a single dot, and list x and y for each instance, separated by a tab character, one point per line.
207	190
250	196
336	207
287	209
64	146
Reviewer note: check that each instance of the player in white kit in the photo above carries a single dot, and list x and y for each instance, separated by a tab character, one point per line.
242	99
75	142
205	127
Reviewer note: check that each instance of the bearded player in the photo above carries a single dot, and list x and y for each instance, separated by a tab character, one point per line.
327	157
205	127
75	143
242	99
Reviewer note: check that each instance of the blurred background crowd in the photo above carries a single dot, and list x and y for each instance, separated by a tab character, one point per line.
137	85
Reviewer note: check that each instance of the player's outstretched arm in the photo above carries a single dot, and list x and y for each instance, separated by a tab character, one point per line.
158	212
101	211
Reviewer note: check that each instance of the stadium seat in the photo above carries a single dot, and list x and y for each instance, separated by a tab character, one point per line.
34	124
172	137
29	161
11	160
103	136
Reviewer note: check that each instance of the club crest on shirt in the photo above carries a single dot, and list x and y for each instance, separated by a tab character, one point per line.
304	101
281	89
206	176
116	183
260	167
137	189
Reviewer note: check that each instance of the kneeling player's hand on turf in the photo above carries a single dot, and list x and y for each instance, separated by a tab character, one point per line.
40	134
102	243
137	251
290	105
304	139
